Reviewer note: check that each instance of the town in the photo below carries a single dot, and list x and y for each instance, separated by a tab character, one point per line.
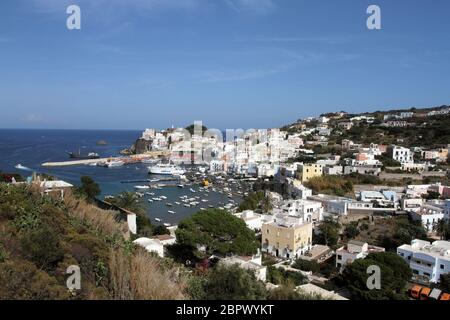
329	195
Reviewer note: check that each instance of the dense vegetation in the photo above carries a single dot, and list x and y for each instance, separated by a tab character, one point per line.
218	232
328	233
395	273
256	201
41	236
280	276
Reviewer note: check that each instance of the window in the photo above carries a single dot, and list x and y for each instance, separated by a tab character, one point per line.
442	267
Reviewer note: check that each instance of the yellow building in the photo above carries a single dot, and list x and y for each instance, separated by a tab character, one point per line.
286	238
308	171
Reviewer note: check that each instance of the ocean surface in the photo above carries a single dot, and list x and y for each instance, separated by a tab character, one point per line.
31	148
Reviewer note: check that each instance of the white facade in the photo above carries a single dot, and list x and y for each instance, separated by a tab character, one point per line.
306	210
427	260
401	154
352	251
429	215
253	263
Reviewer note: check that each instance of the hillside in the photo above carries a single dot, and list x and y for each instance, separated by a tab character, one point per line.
40	237
417	127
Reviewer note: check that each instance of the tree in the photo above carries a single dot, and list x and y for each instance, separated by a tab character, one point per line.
351	231
281	276
404	232
218	231
89	188
443	229
306	265
255	201
328	232
128	201
233	283
395	273
444	282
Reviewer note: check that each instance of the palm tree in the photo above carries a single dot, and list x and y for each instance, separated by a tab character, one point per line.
129	201
442	228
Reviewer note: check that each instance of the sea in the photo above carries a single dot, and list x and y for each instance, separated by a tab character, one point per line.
31	148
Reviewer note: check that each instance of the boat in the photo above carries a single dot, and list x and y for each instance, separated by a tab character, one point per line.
111	164
21	167
141	187
177	203
192	190
170	211
169	204
150	200
158	219
166	169
150	161
167	224
163	197
180	186
79	155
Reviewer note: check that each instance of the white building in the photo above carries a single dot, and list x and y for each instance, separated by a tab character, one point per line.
253	263
306	210
253	220
427	261
352	251
401	154
156	244
411	204
429	215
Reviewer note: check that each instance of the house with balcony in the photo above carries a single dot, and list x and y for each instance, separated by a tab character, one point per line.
428	261
429	214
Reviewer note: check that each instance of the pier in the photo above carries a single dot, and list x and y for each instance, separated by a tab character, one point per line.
137	158
77	162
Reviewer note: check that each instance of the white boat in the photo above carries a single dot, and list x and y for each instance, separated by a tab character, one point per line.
163	197
167	224
169	204
111	164
192	190
150	200
177	203
150	161
166	169
158	219
170	211
142	187
21	167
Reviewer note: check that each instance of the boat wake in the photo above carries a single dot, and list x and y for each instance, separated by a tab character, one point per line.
21	167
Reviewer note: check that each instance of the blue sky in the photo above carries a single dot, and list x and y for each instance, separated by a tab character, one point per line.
229	63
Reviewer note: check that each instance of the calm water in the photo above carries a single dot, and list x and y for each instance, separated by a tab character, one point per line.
31	148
